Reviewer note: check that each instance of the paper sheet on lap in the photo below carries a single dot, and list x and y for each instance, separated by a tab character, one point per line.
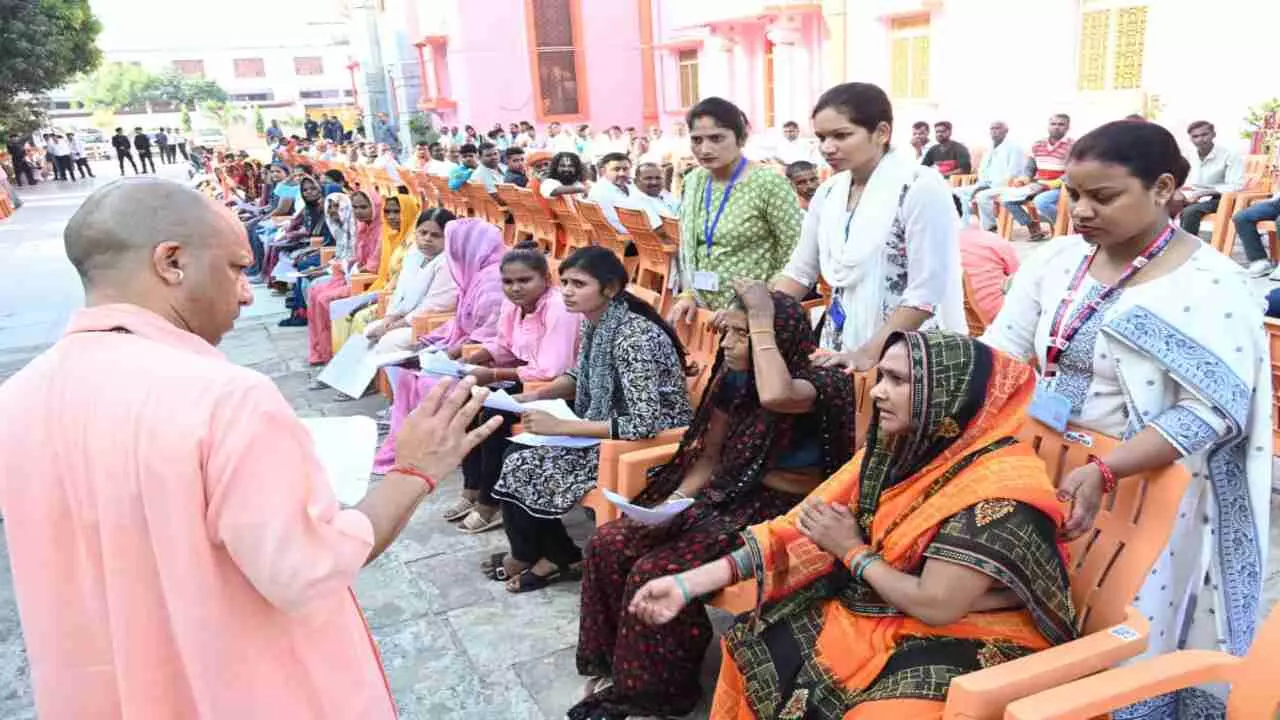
644	515
343	307
353	366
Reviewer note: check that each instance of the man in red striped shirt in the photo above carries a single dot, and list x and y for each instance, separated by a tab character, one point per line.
1043	178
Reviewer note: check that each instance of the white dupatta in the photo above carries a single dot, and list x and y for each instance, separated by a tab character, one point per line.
853	253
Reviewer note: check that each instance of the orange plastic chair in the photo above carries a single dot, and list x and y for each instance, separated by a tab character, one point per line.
1254	692
1108	567
1272	326
974	317
577	232
654	268
650	297
606	234
360	282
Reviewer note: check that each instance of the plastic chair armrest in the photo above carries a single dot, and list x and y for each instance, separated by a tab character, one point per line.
1101	693
633	468
424	324
1246	198
983	695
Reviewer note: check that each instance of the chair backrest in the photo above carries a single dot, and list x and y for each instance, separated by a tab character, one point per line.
1254	691
605	233
1272	326
648	244
977	323
648	296
1110	562
701	342
671	228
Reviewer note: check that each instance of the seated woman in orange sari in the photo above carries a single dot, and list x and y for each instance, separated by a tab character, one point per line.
932	554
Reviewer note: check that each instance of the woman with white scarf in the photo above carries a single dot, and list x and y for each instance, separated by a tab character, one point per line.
881	232
425	285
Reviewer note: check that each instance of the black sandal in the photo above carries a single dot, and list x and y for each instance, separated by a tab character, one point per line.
494	568
529	581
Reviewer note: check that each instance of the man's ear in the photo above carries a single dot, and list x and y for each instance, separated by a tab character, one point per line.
167	260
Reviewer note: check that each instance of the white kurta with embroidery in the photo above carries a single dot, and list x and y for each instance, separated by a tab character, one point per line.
1186	354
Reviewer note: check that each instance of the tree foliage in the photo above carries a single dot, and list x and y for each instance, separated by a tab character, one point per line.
259	123
125	85
1257	115
43	44
222	113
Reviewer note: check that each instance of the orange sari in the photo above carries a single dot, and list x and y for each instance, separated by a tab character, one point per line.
959	489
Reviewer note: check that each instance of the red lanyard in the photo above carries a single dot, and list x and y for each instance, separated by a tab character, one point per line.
1060	338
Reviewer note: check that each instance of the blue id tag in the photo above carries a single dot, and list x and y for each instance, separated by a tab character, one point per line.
1050	407
836	313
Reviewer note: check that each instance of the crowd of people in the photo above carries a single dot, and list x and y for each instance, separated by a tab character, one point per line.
935	549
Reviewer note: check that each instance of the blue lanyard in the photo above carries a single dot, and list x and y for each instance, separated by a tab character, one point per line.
709	224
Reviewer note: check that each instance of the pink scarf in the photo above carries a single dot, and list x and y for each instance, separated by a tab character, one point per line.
369	235
473	248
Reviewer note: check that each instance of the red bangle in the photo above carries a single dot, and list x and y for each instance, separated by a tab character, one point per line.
406	470
1108	475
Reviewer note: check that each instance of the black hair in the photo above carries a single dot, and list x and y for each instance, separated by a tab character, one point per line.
601	264
943	123
919	125
798	167
306	168
555	173
119	129
864	104
436	143
1064	116
1146	150
336	176
513	151
485	146
790	124
724	113
1200	124
438	215
527	252
468	149
959	208
614	157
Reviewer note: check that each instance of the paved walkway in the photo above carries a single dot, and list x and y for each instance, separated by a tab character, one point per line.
455	646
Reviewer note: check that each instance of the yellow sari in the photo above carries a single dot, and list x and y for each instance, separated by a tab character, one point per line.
395	245
957	488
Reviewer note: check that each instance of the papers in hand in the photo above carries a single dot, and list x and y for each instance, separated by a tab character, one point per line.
567	441
644	515
501	400
438	363
345	447
354	366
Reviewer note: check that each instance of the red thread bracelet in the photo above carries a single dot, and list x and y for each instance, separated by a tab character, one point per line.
406	470
1108	475
855	553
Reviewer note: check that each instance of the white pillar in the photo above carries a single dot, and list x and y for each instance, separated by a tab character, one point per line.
715	67
786	77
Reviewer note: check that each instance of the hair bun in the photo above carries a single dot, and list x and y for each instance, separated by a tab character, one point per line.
527	244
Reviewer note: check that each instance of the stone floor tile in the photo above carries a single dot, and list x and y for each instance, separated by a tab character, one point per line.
553	681
454	580
432	679
507	630
390	594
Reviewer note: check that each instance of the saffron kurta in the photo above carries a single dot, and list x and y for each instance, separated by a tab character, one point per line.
176	549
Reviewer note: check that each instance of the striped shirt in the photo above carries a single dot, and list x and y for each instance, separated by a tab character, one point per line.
1051	158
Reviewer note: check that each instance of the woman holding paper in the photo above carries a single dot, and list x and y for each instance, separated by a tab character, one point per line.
366	209
537	340
770	428
629	383
425	285
473	249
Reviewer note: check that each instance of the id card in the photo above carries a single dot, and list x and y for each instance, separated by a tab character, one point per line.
836	313
1050	407
706	280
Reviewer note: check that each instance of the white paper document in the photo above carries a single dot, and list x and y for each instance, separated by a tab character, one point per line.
345	306
283	269
644	515
502	400
354	365
567	441
345	447
439	363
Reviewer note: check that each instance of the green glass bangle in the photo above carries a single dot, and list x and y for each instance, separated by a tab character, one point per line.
684	589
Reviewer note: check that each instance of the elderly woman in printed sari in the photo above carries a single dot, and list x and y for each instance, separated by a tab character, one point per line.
770	428
1165	349
934	553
